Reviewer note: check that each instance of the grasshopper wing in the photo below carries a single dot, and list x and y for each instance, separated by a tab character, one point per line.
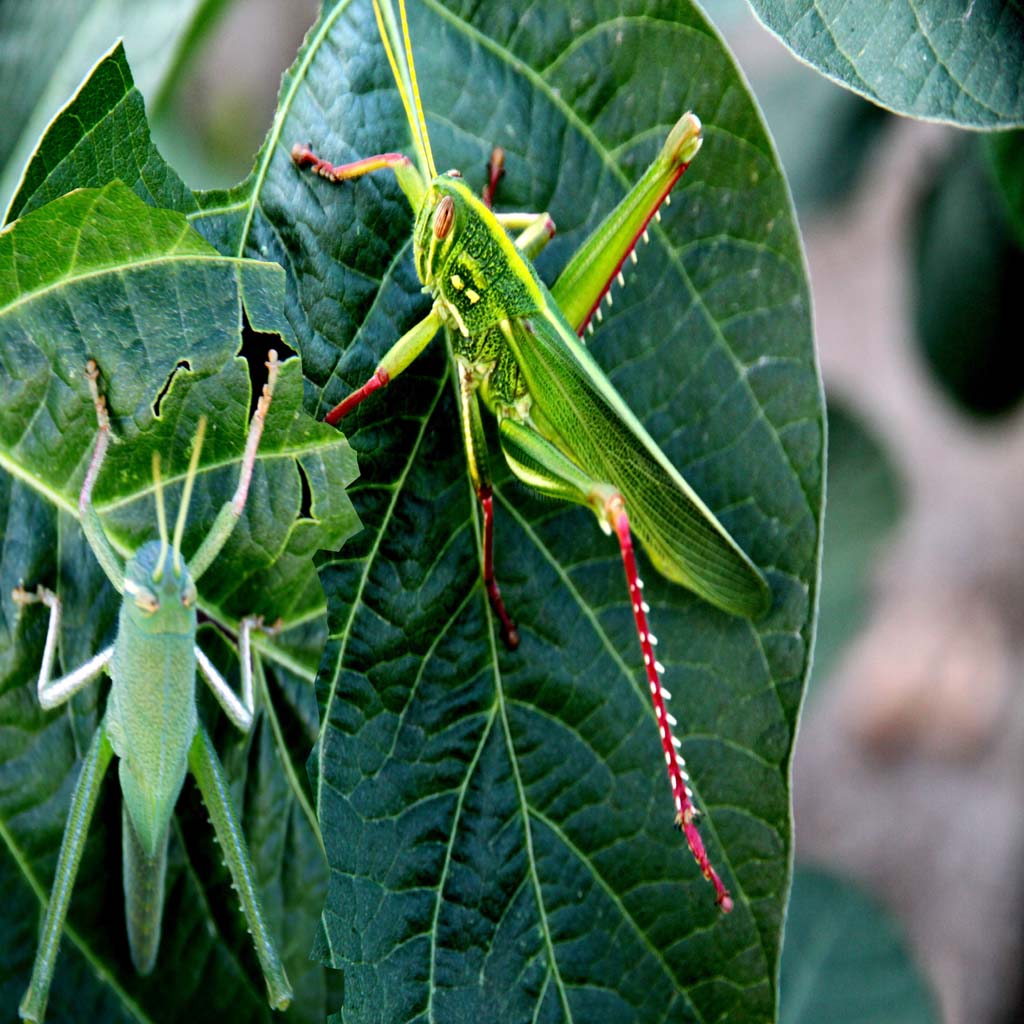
579	411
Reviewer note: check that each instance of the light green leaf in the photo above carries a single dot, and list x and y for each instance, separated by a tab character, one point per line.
940	60
101	136
498	825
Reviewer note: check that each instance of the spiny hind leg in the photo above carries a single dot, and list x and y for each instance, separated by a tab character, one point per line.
83	804
213	787
537	462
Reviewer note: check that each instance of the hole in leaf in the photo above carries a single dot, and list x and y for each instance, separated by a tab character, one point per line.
183	364
306	504
255	346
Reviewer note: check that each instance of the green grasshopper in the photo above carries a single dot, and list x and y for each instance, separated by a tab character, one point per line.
151	721
563	428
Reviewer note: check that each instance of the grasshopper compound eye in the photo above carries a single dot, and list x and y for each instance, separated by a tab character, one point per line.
444	218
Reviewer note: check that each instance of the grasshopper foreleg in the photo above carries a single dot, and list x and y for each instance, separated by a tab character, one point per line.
240	711
231	511
54	692
303	156
395	360
109	559
405	171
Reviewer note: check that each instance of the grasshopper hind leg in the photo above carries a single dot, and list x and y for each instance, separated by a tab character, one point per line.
540	464
686	812
83	804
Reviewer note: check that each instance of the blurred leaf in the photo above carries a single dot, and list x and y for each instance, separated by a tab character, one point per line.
1005	152
845	961
932	59
498	825
100	274
48	47
968	272
825	135
864	503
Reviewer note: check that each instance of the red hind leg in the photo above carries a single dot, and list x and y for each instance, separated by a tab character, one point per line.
686	812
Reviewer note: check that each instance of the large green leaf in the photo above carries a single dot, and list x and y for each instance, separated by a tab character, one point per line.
99	274
498	825
845	960
940	60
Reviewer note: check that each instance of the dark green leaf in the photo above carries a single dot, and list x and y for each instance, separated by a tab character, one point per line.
845	961
100	274
968	271
940	60
498	825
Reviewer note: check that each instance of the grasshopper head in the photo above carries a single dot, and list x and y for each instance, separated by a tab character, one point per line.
160	595
439	224
159	599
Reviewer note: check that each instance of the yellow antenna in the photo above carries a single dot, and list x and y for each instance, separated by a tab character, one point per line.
417	122
161	518
186	494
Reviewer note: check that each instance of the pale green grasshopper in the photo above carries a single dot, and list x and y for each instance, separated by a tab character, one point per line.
563	428
151	721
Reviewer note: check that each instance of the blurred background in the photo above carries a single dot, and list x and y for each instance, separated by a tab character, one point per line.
909	770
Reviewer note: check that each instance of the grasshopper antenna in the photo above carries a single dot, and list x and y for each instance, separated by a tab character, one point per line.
417	122
161	518
186	494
